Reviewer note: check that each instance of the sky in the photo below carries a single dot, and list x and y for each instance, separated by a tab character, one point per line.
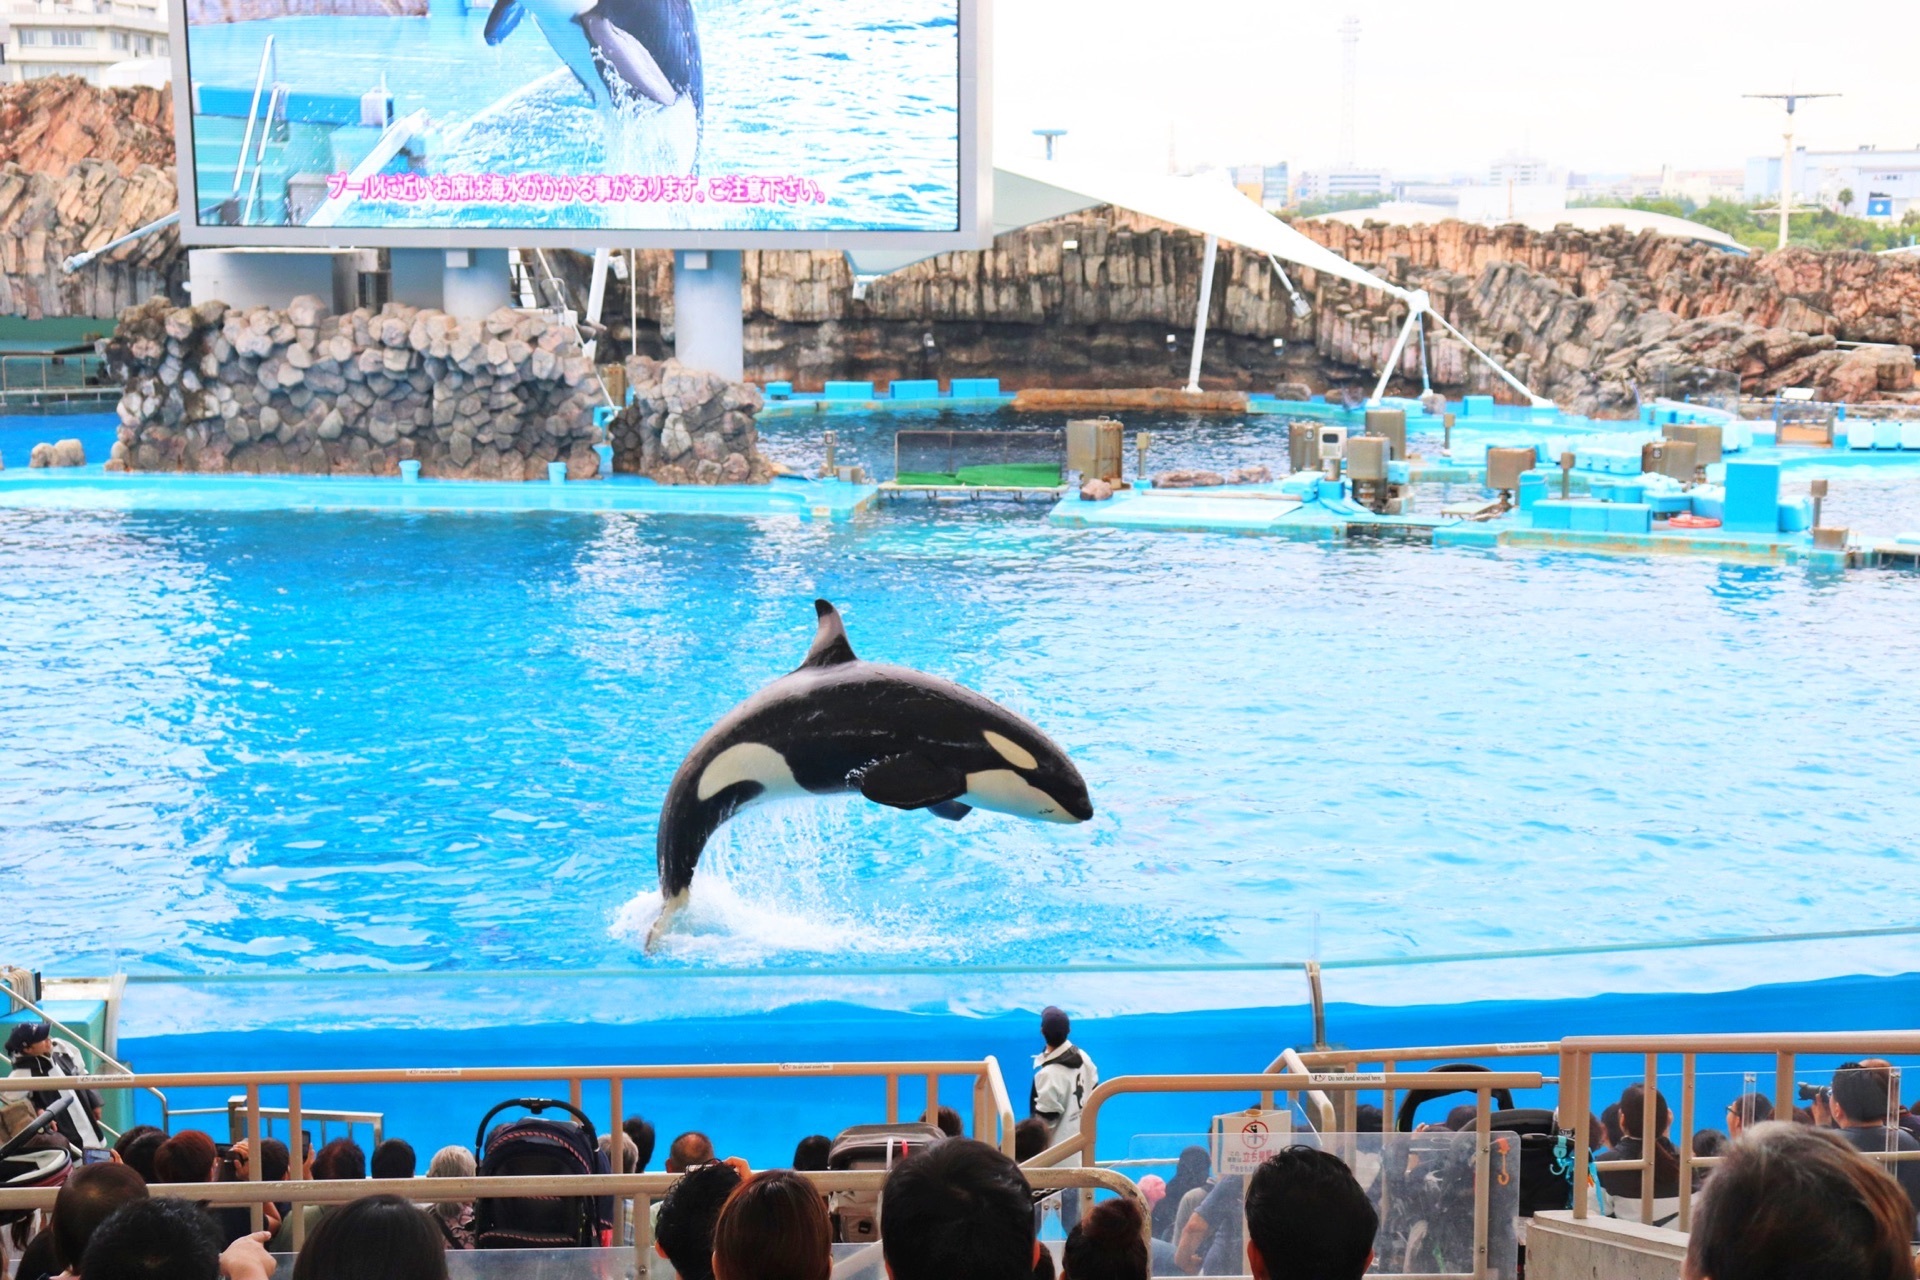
1593	86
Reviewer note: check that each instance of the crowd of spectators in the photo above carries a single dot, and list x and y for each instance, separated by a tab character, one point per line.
1780	1199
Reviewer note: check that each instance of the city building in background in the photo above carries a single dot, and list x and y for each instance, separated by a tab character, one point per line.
1882	184
84	38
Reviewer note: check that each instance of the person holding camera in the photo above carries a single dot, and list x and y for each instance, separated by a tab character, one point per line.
1861	1101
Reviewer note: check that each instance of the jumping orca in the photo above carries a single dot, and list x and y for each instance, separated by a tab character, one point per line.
649	47
836	724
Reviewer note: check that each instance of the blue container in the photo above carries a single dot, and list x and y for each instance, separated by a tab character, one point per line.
1533	487
410	472
976	388
556	473
778	390
606	460
849	391
1477	407
917	389
1753	497
1796	515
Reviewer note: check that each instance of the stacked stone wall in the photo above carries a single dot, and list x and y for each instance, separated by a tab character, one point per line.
213	388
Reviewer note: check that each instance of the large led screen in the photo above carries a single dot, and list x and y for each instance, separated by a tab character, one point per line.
582	116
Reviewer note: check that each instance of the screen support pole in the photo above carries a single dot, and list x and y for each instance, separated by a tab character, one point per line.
1200	312
708	331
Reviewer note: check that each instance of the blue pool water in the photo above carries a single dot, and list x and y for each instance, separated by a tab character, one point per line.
316	744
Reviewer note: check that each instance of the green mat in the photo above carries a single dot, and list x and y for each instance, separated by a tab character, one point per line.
1022	475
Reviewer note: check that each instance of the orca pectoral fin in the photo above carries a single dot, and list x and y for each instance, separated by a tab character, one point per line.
632	61
505	17
951	810
911	782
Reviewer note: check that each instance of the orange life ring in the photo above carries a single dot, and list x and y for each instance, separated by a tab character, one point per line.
1687	521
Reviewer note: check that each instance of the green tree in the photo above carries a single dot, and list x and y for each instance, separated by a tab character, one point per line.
1846	198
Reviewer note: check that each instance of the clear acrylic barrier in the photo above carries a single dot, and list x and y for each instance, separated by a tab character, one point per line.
1422	1185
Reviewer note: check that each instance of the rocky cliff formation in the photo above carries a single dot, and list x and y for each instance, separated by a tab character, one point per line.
1582	317
79	167
209	388
687	427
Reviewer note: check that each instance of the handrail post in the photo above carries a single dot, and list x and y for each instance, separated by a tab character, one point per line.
616	1160
1783	1086
933	1099
1686	1142
1575	1066
893	1097
1482	1177
1649	1139
296	1163
256	1213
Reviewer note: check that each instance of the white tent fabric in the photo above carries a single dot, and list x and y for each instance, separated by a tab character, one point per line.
1024	194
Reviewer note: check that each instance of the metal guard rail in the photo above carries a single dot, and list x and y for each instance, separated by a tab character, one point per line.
1578	1052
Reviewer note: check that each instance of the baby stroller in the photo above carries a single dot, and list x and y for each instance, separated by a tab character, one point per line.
536	1147
26	1163
856	1214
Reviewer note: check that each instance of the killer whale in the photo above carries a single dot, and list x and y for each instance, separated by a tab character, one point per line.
650	48
837	724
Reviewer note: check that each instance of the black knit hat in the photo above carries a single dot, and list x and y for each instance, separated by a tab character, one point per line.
26	1033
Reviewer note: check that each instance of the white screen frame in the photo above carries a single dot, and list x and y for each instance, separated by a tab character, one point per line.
975	230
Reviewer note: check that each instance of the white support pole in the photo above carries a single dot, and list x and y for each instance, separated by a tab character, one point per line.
1399	348
1537	402
597	291
1200	314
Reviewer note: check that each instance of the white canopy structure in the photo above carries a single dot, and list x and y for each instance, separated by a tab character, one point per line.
1028	192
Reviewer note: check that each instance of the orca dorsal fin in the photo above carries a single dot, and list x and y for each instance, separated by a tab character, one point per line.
830	647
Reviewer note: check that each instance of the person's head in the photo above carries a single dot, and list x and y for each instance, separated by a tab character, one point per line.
947	1120
373	1238
641	1134
1107	1244
1054	1026
810	1154
394	1158
136	1146
1861	1093
1462	1116
684	1233
341	1160
773	1227
1367	1118
959	1210
1308	1219
1748	1109
34	1039
154	1239
1633	1111
1191	1170
1030	1138
451	1162
89	1197
1793	1201
1610	1124
1708	1143
275	1159
689	1149
629	1157
188	1156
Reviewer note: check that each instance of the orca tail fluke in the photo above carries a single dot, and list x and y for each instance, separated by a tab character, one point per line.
669	908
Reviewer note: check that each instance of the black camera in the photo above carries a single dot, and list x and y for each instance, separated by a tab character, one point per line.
1813	1092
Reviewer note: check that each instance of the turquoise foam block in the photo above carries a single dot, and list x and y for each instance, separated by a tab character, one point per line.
1669	504
1628	517
916	389
849	391
1796	516
1752	504
1588	516
975	388
778	390
1533	487
1477	407
1553	513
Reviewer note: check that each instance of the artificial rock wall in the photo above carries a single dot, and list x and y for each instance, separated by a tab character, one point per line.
81	166
211	388
688	427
